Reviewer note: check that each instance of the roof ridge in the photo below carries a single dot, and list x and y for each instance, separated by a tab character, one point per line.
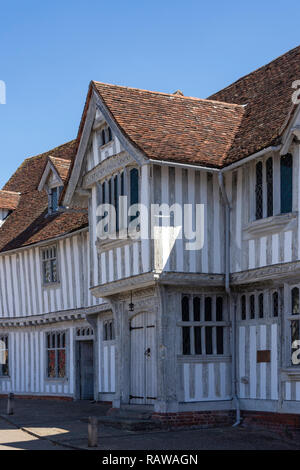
10	192
254	71
171	95
47	151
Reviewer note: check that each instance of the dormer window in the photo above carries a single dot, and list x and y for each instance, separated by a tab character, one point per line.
54	199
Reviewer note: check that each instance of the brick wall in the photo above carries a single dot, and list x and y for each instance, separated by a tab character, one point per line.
196	418
279	422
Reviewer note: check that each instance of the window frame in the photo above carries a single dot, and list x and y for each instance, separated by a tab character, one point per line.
290	318
108	192
64	332
207	328
108	332
4	338
283	178
44	249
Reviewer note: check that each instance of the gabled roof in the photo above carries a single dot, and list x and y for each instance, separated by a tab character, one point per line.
59	167
62	167
30	223
267	96
9	200
173	127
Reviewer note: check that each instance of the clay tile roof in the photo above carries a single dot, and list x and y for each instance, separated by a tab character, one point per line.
9	200
29	223
171	126
267	96
62	166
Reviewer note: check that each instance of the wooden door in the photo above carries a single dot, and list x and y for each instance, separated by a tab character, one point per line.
86	370
143	387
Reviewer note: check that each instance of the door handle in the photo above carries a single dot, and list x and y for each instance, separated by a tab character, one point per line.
147	352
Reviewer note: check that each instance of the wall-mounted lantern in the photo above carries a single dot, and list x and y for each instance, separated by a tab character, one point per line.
131	305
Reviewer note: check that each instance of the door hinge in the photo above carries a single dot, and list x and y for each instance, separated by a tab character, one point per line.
135	327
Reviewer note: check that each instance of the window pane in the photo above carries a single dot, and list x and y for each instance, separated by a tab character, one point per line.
186	345
116	198
196	305
269	171
54	199
208	340
61	363
261	305
63	340
134	186
122	184
286	183
197	338
109	192
219	309
47	271
275	304
295	333
220	341
185	309
54	270
103	136
208	316
243	307
3	356
252	307
295	301
51	364
258	191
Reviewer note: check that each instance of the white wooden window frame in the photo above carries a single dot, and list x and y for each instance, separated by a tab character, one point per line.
56	349
43	260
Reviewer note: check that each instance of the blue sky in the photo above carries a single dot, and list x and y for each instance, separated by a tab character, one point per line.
50	50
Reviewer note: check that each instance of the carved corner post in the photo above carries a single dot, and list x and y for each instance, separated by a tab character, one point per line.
120	316
166	348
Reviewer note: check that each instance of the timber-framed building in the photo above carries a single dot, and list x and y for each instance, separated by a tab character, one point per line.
192	334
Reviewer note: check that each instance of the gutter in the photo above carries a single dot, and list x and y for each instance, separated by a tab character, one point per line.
251	157
183	165
229	297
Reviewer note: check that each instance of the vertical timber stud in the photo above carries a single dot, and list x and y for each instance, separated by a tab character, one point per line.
93	432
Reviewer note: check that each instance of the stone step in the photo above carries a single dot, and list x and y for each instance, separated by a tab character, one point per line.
132	413
129	423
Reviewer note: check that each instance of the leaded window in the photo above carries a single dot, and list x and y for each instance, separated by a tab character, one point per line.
286	183
252	307
110	192
204	331
259	191
49	265
295	321
261	305
108	330
56	354
275	304
243	307
4	356
269	175
54	199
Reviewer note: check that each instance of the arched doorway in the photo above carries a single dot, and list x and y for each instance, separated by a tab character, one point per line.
143	359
